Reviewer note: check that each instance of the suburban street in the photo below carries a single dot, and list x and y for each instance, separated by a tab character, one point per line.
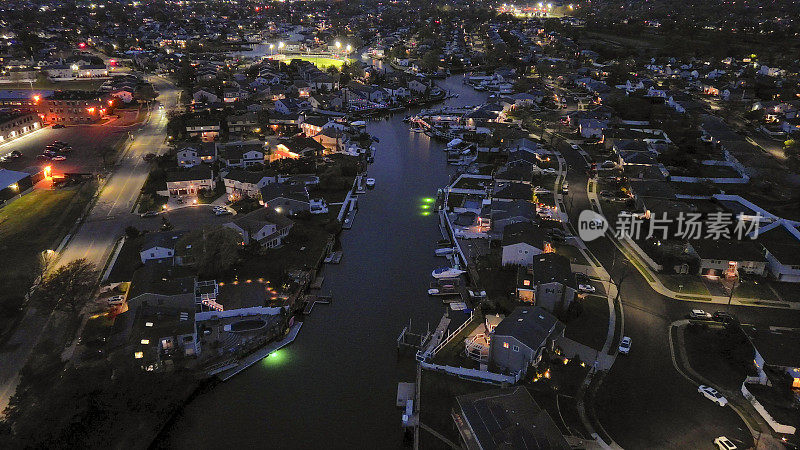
95	237
644	400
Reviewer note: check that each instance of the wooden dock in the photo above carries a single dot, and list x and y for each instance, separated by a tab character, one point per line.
311	300
438	335
334	258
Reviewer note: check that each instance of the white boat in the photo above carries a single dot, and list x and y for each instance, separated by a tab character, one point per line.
370	183
446	272
359	123
433	291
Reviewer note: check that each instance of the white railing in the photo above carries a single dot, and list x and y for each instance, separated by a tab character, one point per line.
424	355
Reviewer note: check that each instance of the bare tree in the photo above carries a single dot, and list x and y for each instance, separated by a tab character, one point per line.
68	287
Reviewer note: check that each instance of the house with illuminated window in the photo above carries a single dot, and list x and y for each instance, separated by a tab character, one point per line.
548	282
522	242
520	340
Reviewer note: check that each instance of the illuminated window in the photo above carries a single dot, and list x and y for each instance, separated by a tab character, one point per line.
505	344
526	282
138	355
145	341
148	324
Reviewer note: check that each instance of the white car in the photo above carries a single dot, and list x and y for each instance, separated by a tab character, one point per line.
712	394
724	443
222	211
625	345
59	158
586	288
699	314
575	147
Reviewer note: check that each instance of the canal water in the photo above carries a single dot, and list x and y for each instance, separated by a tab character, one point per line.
335	386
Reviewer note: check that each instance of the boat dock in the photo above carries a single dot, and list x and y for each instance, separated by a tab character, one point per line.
311	300
438	335
333	258
317	283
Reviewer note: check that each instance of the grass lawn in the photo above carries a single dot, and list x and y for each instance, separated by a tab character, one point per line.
572	253
321	62
32	224
301	249
44	83
591	327
128	260
705	350
692	284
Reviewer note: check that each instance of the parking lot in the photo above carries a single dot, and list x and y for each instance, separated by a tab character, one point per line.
88	142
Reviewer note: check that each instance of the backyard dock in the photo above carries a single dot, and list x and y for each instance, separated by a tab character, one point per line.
311	300
334	258
438	335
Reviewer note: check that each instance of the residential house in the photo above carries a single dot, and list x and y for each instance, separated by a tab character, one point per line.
521	339
190	182
505	213
240	182
286	198
522	242
781	244
507	418
721	257
188	157
159	247
263	225
241	154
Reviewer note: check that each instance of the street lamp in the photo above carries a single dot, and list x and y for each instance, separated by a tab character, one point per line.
349	48
271	46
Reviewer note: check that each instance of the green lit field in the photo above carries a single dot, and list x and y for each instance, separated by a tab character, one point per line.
321	62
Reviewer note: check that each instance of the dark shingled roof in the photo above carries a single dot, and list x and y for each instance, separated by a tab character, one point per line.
507	419
531	325
550	267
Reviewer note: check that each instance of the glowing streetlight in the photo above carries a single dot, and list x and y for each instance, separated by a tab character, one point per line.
338	44
349	48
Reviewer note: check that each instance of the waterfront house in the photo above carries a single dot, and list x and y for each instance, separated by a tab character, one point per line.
521	339
286	198
506	418
263	225
522	242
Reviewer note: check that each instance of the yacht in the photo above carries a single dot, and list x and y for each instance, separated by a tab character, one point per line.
370	183
446	272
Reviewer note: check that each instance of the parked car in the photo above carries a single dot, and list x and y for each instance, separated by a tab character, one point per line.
724	443
58	125
565	188
59	158
116	300
43	157
15	154
222	212
575	146
625	345
699	314
149	156
712	394
724	317
587	288
149	214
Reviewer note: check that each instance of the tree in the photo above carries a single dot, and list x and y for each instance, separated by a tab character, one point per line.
68	287
213	251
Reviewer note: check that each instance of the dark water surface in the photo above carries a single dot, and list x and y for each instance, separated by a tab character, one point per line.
335	386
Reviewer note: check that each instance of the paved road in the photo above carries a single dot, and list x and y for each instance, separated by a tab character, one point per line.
95	238
645	402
